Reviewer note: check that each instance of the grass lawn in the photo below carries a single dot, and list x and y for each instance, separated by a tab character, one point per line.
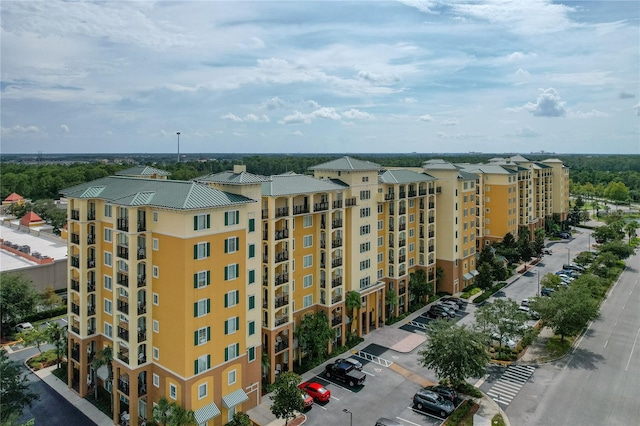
556	348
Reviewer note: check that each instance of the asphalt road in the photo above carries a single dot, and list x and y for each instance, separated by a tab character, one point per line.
599	382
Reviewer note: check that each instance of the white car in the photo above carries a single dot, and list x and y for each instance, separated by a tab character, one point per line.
449	304
24	326
505	341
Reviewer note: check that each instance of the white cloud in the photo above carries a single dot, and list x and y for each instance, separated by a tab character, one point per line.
230	116
299	117
297	133
64	128
449	122
589	114
313	104
354	114
409	100
548	104
587	78
252	43
526	132
372	78
460	135
254	118
22	130
274	103
327	113
426	117
522	73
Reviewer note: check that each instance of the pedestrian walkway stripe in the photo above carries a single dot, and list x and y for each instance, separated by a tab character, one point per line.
373	358
509	384
418	324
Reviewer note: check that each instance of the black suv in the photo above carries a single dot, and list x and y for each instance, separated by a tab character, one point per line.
440	308
426	400
444	391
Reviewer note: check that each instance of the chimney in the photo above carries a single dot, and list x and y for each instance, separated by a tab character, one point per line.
239	168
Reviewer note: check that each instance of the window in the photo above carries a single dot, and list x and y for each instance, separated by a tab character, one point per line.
307	301
365	247
231	325
365	195
380	273
203	363
412	232
412	247
155	299
307	281
156	380
307	241
365	179
231	272
107	210
108	306
156	353
123	266
252	354
252	302
252	276
252	225
231	377
307	261
380	257
155	244
155	217
231	351
364	282
307	221
108	329
231	244
231	298
231	218
155	271
365	212
252	251
201	221
380	225
365	264
380	208
201	307
108	282
465	198
156	326
252	328
201	250
173	391
108	235
202	336
380	241
108	259
411	261
202	391
412	217
365	229
201	279
230	413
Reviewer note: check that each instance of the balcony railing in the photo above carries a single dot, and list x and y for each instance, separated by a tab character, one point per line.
336	243
431	248
142	253
282	212
336	321
402	226
432	205
123	386
336	299
142	335
75	285
123	307
336	262
412	193
336	282
142	358
75	261
265	213
349	202
403	194
123	279
142	280
91	215
392	260
432	219
282	256
75	354
337	223
142	308
323	283
75	214
91	262
282	234
142	225
75	308
432	234
422	192
91	310
281	301
337	204
402	243
281	346
123	224
323	244
281	320
402	210
75	329
317	207
123	333
402	258
91	239
75	238
123	252
302	209
389	196
281	279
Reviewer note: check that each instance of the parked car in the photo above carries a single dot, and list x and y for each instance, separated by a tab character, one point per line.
574	267
444	391
357	364
442	308
383	421
569	272
525	302
547	251
566	278
24	326
316	391
436	314
527	310
506	341
307	400
461	303
451	305
346	373
426	400
546	291
564	235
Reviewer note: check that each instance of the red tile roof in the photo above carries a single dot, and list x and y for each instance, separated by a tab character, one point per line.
30	217
14	197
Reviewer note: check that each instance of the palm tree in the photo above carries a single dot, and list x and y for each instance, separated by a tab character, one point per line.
103	357
162	411
56	336
631	228
352	302
392	301
266	364
181	416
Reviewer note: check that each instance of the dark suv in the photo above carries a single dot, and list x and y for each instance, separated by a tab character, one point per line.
440	308
426	400
444	391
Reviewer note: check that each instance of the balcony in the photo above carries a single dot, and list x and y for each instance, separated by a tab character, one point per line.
281	320
123	307
123	252
336	243
91	215
75	308
391	227
142	335
142	253
282	212
281	301
90	332
402	210
75	354
302	209
323	244
432	234
142	280
123	333
318	207
390	196
142	358
432	219
91	262
282	234
336	282
402	227
391	244
281	279
75	238
75	214
75	261
337	204
142	225
337	223
142	308
392	260
75	285
323	283
403	194
123	224
422	192
421	249
123	385
412	193
432	205
336	262
123	279
75	329
281	345
350	202
265	324
402	291
336	321
91	239
402	243
431	248
336	299
91	310
282	256
402	259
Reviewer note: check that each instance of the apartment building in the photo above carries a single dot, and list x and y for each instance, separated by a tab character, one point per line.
167	274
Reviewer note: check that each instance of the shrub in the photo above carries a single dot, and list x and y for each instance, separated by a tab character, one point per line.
460	413
55	312
469	389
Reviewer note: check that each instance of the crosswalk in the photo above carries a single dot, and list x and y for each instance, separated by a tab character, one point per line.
509	384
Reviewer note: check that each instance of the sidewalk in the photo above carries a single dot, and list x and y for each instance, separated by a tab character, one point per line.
81	404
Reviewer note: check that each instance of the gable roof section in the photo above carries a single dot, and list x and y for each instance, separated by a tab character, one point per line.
14	197
230	178
347	164
30	217
142	171
293	184
403	176
172	194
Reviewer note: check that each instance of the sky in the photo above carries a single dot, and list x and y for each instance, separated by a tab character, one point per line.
425	76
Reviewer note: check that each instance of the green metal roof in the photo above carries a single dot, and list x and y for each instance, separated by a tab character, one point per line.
172	194
207	412
230	178
234	398
142	171
403	176
347	164
293	184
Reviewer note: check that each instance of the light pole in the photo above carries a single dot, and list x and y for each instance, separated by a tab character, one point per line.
350	416
538	282
568	255
178	133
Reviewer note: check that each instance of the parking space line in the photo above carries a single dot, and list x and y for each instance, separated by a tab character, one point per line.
366	372
315	404
407	421
425	413
334	383
337	399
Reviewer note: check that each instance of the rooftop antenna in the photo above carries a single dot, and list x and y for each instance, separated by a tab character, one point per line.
178	133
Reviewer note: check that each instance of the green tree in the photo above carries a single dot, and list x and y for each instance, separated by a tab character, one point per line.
266	365
314	334
501	319
453	352
525	249
162	411
50	298
605	233
240	419
14	389
538	241
57	336
392	301
19	209
36	336
103	357
18	298
484	280
180	416
617	191
353	301
287	397
617	248
550	281
568	311
631	228
439	275
419	286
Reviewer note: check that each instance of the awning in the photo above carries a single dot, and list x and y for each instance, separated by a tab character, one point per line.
103	372
475	273
207	412
234	398
467	276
